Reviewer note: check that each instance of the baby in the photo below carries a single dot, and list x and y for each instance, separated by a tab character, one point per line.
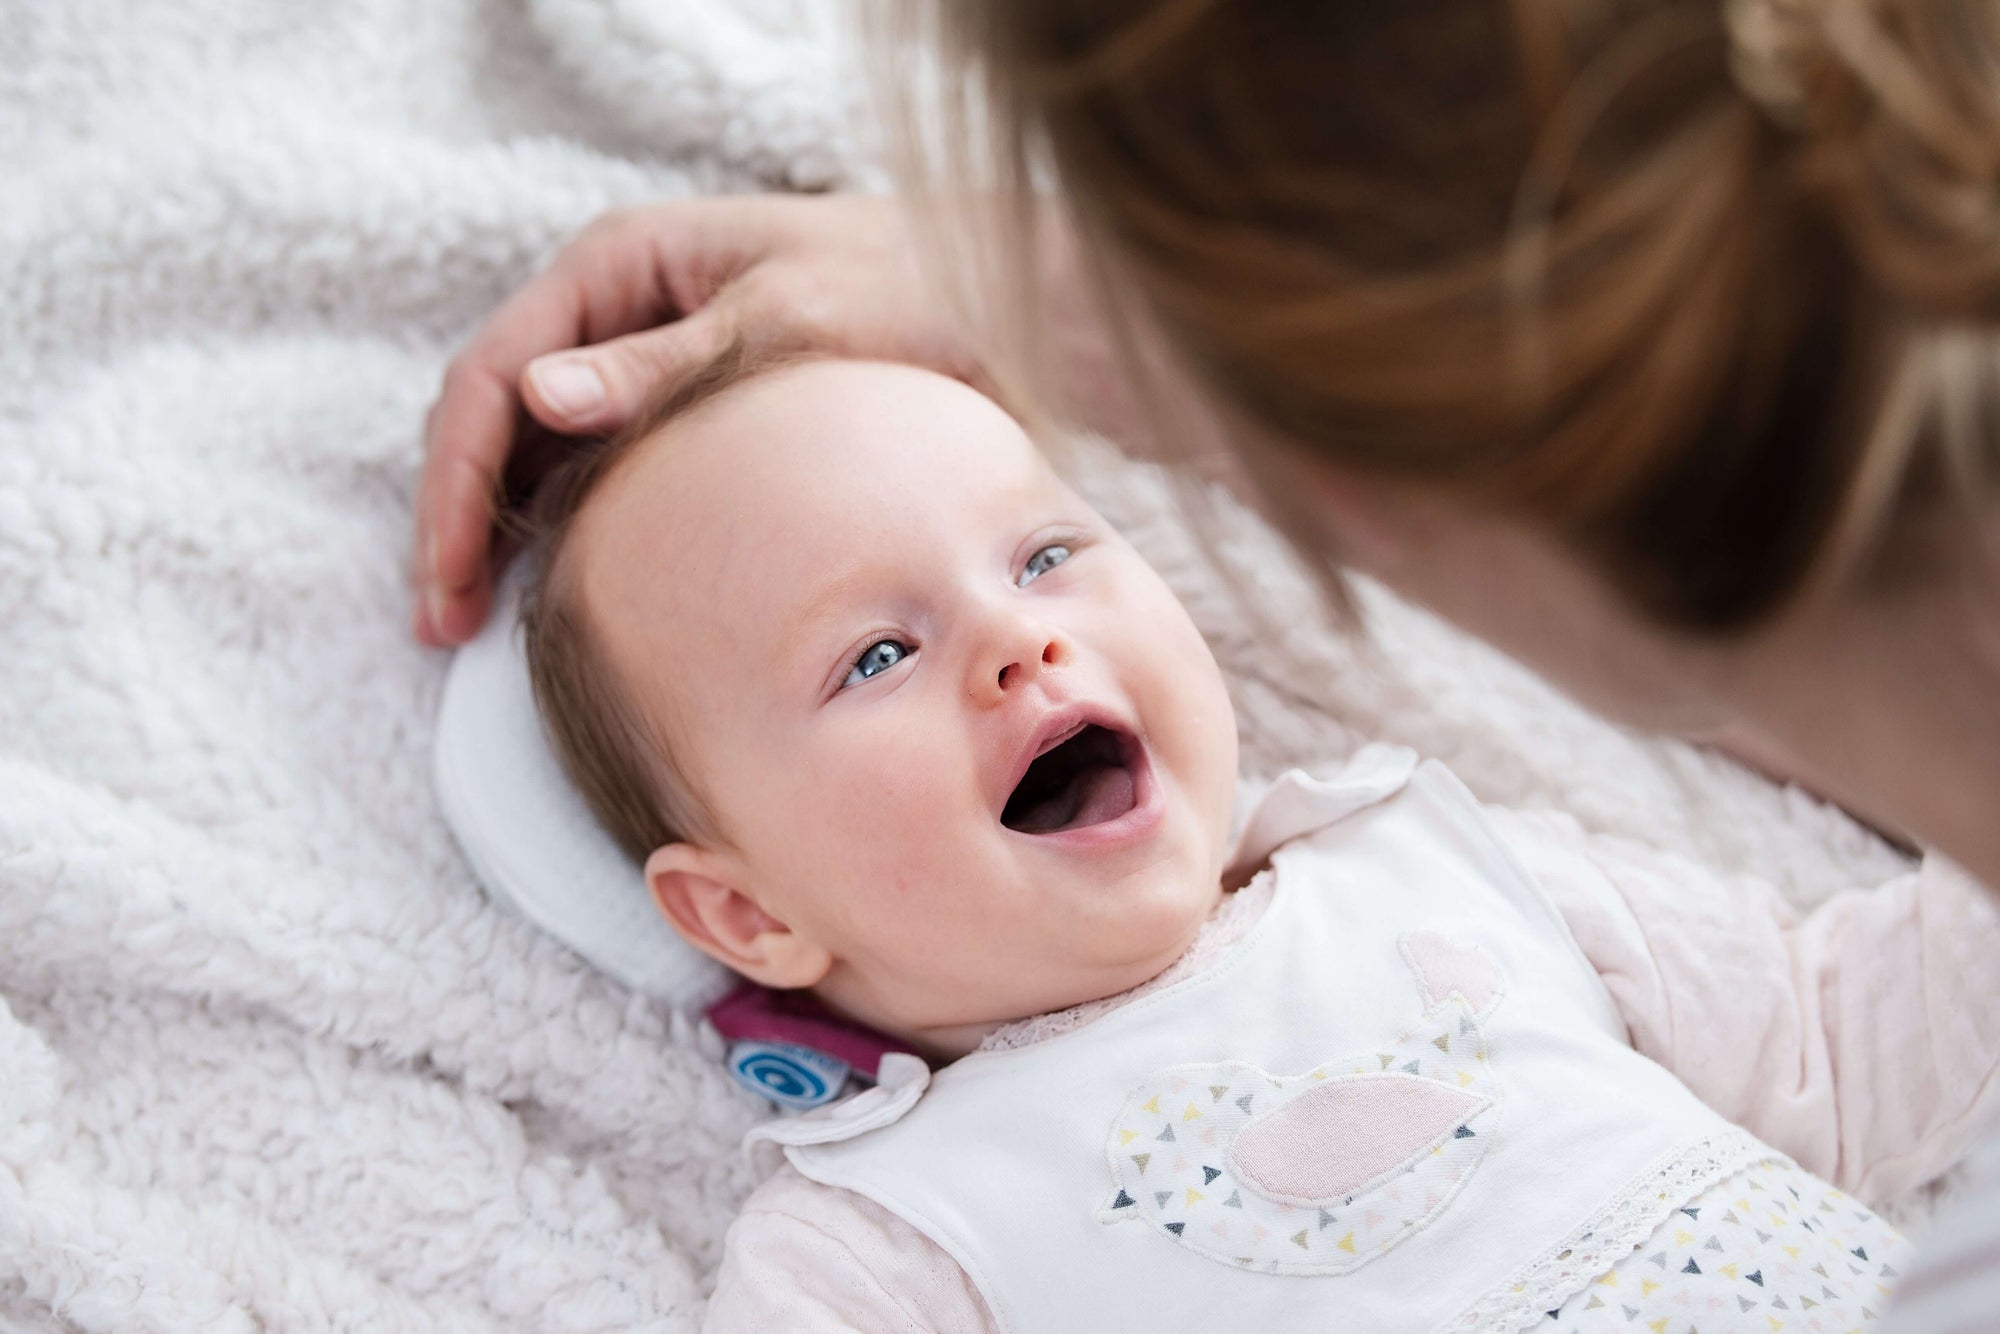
889	713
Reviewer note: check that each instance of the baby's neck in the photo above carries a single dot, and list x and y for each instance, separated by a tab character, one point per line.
1234	913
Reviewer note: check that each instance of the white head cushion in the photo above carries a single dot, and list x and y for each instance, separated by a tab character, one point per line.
531	839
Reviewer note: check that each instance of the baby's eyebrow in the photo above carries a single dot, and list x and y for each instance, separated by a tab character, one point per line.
830	603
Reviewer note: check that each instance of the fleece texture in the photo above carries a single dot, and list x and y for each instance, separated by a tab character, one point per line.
268	1058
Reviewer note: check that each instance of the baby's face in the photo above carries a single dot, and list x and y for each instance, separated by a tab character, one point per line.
952	728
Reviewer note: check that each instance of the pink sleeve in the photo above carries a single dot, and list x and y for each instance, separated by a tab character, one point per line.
803	1256
1861	1038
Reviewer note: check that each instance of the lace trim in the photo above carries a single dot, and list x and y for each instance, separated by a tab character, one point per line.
1612	1233
1229	923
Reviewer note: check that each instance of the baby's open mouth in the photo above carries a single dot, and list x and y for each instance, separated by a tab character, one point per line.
1084	780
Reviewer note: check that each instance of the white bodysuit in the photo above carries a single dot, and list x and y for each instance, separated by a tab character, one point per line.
1404	1099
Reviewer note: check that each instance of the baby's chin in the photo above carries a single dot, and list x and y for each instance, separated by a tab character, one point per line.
1138	952
1126	934
1167	949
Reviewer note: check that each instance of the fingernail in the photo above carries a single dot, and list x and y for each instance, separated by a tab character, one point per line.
572	388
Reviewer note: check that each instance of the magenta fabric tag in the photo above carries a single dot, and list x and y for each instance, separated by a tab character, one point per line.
752	1013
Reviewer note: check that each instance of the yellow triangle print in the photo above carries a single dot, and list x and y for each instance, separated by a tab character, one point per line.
1682	1238
1728	1271
1610	1279
1346	1243
1646	1286
1152	1105
1658	1326
1127	1136
1192	1113
1194	1195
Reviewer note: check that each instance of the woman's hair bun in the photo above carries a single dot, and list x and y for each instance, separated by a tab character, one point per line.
1895	105
1708	290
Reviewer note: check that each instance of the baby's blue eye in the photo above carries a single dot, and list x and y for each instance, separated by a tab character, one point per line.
1041	563
879	656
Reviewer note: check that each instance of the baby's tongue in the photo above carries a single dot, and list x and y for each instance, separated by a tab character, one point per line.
1107	794
1102	792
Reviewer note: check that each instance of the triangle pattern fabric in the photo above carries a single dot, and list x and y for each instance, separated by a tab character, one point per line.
1417	1111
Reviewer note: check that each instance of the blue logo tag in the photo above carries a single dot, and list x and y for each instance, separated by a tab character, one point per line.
786	1073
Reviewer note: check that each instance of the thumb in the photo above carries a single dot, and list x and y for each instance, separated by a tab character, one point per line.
597	389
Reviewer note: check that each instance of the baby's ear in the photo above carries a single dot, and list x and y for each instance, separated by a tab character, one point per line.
697	889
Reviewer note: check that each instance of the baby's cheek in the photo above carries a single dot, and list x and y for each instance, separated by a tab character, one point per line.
897	839
1195	695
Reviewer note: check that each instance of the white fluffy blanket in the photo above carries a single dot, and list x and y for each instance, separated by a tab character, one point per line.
268	1060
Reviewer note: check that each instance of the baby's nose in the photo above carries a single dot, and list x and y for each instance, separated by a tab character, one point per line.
1017	662
1014	673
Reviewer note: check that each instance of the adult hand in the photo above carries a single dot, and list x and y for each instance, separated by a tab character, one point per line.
641	297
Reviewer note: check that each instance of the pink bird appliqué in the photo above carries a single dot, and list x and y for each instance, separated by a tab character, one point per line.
1318	1173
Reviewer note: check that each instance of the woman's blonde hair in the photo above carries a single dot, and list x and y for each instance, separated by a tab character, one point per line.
1706	288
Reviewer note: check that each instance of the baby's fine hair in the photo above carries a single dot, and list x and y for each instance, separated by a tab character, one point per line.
618	758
